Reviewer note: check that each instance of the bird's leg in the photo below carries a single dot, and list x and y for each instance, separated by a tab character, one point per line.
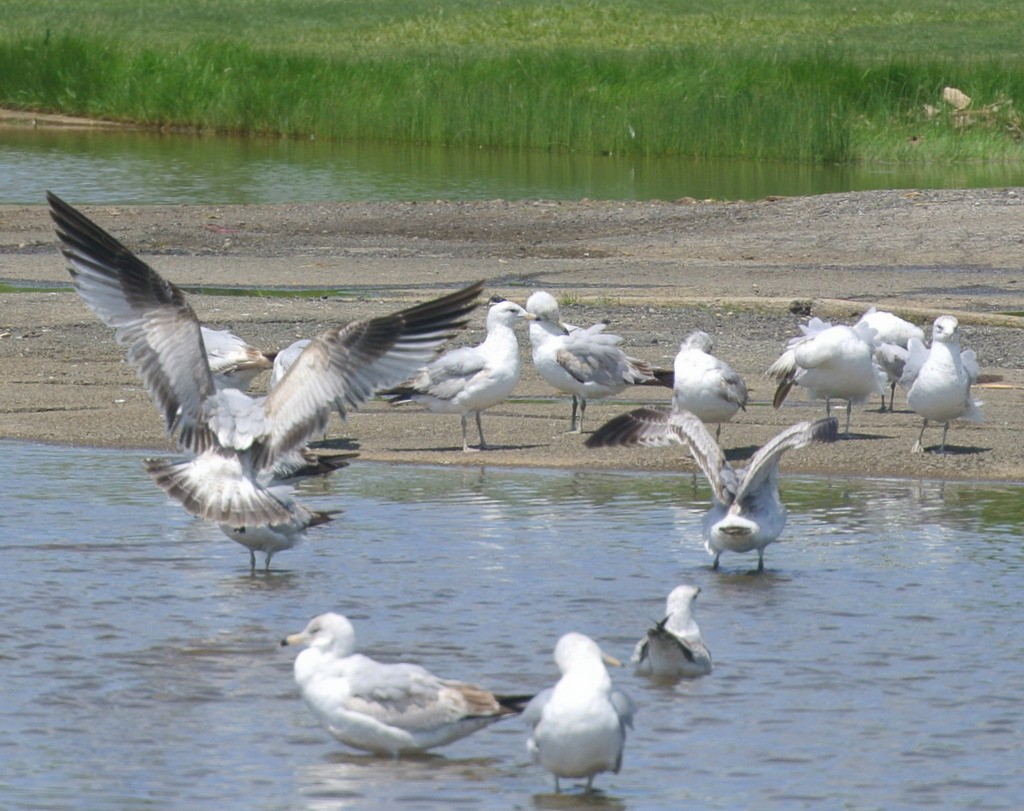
590	784
945	430
760	559
480	429
465	438
714	565
718	432
892	398
828	406
572	419
558	788
266	563
918	446
849	408
583	410
252	562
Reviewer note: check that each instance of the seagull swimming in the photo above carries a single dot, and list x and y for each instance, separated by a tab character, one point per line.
471	379
940	380
705	385
579	725
584	362
746	511
237	442
673	648
829	361
389	709
892	334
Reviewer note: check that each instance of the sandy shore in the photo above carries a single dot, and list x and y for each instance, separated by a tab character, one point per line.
748	273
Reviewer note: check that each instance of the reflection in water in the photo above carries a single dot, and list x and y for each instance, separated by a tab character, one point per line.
137	167
875	664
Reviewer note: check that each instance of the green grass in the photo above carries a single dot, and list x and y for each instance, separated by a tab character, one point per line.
804	80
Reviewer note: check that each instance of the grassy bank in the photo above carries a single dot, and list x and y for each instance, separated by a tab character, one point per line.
791	80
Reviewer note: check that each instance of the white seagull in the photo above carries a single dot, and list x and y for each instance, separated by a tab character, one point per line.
892	335
830	362
705	385
746	511
940	380
233	363
471	379
584	362
238	442
579	725
673	648
389	709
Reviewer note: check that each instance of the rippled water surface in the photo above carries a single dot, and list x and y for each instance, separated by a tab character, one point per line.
878	663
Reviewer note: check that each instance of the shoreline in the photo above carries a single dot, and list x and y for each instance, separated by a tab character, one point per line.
747	273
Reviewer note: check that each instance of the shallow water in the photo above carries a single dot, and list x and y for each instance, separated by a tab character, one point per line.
876	664
91	167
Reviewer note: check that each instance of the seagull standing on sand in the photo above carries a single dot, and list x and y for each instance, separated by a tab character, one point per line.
746	512
238	441
829	361
705	385
579	725
892	335
586	363
469	380
389	709
940	380
673	648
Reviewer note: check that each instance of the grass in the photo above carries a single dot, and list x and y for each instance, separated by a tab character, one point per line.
799	80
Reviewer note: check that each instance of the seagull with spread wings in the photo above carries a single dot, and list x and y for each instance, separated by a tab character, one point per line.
239	443
746	512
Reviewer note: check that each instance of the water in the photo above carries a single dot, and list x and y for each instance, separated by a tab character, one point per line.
876	664
138	168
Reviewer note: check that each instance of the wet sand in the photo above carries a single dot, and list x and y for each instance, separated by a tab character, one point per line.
747	273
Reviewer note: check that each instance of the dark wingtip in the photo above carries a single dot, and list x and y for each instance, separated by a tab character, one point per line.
781	392
623	429
513	704
826	430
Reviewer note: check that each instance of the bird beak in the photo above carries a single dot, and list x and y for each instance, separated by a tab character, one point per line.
610	660
293	639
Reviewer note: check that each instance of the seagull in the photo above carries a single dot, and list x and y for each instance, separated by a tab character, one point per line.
746	511
940	380
285	358
705	385
892	334
469	380
236	441
584	362
579	725
233	363
388	709
829	361
673	648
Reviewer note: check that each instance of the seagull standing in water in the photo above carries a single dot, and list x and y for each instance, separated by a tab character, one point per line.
579	725
237	442
471	379
940	380
705	385
892	335
389	709
830	362
673	648
583	362
746	512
